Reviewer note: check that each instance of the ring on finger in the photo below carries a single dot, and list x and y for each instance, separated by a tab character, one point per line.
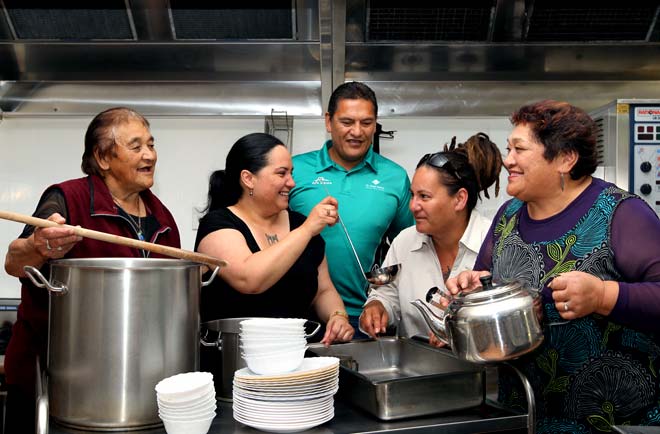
566	306
48	247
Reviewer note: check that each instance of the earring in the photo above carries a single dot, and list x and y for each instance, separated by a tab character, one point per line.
561	181
252	190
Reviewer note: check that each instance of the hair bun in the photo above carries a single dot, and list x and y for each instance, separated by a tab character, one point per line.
486	160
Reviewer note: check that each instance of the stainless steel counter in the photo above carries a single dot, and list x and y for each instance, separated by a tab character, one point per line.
348	419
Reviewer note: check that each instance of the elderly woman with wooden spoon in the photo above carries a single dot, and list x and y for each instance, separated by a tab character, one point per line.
120	160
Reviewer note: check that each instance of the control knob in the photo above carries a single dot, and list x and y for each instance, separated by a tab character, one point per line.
645	189
645	167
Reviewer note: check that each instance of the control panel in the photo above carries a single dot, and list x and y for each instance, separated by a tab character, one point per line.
645	153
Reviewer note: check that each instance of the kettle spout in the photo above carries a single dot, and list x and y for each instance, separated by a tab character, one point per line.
436	322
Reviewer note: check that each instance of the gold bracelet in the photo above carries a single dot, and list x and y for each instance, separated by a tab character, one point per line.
339	313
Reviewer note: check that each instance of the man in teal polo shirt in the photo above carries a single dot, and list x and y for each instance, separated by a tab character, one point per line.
373	192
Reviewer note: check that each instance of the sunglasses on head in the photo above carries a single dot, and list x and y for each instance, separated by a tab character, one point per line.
440	161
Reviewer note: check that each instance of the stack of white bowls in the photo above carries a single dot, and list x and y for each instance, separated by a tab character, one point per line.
272	346
186	402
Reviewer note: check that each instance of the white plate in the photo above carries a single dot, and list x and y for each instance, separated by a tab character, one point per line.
293	381
294	412
301	405
284	419
271	398
278	396
284	413
309	366
291	386
285	428
282	404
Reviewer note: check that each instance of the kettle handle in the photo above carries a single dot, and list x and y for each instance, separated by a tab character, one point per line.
40	281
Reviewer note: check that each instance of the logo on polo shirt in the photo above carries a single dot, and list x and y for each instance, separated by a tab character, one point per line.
374	185
321	181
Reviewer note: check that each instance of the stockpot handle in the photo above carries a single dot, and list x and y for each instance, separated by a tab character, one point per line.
41	282
208	282
217	343
318	326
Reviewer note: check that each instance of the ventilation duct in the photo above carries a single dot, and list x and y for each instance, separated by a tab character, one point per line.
467	20
578	21
201	19
70	21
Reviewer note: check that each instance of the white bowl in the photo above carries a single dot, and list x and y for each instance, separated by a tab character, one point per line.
275	339
187	417
199	426
278	363
275	352
188	405
199	400
188	397
272	329
265	335
270	333
257	349
266	323
185	386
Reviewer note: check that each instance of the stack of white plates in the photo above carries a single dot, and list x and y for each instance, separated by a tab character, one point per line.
186	402
289	402
273	345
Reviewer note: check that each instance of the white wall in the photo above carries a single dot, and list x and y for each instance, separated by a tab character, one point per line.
37	152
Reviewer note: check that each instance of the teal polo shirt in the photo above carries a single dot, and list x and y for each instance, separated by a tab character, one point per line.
373	201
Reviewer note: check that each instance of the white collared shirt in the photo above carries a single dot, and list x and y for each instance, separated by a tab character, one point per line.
421	270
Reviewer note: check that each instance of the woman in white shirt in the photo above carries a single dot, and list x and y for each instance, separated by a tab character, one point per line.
446	237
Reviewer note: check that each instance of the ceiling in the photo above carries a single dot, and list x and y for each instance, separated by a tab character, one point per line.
194	57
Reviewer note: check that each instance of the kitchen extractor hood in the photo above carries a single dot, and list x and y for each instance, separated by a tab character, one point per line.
195	57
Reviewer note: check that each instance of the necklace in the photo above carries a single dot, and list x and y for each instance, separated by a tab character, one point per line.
136	225
446	273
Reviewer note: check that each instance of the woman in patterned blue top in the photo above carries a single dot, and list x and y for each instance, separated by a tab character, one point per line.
594	252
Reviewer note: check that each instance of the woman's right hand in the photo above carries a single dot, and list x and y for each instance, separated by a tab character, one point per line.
374	318
322	215
55	242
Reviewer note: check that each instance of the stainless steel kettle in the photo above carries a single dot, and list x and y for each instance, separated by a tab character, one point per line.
494	324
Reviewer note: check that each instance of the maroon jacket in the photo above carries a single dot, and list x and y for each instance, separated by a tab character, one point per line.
90	205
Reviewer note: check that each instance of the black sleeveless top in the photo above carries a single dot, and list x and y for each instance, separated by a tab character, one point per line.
290	297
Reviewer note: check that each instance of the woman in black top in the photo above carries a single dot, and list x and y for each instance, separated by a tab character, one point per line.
277	265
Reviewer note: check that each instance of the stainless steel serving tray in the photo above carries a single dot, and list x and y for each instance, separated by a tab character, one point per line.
395	378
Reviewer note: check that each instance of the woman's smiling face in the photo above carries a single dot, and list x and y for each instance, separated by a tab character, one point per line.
275	181
531	176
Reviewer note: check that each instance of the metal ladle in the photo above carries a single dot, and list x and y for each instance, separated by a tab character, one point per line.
343	226
377	276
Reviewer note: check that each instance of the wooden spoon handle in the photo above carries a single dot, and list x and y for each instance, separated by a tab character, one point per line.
117	239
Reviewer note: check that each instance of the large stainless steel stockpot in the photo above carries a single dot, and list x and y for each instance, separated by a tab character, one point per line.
492	325
117	326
